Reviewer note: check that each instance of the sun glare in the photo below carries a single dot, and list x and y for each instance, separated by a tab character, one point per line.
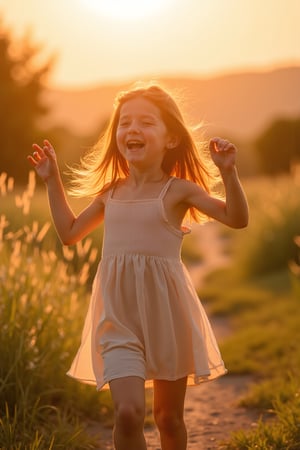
125	10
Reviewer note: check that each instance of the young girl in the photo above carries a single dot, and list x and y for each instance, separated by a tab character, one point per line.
145	324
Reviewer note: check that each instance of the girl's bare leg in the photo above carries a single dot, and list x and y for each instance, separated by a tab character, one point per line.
168	413
128	395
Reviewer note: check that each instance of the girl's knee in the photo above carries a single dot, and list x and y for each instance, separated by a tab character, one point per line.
129	418
168	422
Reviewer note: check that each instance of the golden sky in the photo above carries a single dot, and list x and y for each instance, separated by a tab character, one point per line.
138	38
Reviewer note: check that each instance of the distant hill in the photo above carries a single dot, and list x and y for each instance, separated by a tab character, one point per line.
239	104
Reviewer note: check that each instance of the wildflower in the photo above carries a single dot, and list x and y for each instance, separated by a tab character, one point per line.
3	224
84	274
93	255
42	233
68	253
10	184
3	177
31	183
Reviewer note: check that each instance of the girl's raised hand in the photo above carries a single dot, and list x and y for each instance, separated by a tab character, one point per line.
223	153
43	160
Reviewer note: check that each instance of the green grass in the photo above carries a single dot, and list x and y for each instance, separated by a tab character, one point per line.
259	294
43	300
267	245
264	314
44	295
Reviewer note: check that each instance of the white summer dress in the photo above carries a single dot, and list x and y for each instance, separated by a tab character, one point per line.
145	318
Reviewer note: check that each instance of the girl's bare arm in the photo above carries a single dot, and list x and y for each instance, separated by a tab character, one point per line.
234	211
70	228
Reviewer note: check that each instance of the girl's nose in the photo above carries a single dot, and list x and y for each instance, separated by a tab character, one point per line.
134	126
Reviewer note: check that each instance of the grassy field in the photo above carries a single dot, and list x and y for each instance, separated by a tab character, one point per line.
260	294
44	294
43	300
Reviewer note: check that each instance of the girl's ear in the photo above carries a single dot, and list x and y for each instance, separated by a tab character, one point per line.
174	141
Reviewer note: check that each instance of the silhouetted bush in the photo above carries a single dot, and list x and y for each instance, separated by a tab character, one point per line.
278	147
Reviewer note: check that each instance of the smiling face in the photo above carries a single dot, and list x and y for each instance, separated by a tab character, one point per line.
142	136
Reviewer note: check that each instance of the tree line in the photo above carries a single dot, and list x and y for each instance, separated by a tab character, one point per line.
21	106
22	84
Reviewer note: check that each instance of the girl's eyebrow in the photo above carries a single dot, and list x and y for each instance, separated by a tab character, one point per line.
143	116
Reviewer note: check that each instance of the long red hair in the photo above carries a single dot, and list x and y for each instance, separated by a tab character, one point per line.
102	166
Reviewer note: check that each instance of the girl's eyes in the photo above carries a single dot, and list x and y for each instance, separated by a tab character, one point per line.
147	123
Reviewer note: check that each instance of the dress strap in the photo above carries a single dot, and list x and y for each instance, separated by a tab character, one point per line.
110	193
165	188
112	189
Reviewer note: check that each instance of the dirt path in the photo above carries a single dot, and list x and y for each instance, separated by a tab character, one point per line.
211	414
212	245
211	409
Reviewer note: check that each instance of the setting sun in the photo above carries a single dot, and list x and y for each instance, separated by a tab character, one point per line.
125	10
104	41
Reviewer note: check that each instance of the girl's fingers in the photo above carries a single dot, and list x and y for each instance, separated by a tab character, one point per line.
221	145
48	146
47	143
38	153
37	149
212	143
37	156
229	147
217	144
49	150
32	161
41	152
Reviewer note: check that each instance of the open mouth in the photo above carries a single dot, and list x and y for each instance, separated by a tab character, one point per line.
135	145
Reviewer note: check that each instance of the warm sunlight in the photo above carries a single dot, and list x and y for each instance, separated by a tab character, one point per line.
104	41
125	10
